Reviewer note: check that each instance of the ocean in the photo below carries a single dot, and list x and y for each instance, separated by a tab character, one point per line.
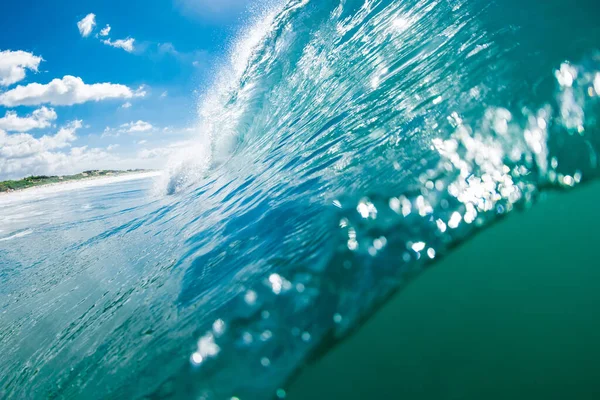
385	199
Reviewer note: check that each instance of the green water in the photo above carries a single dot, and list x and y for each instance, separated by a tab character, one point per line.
512	314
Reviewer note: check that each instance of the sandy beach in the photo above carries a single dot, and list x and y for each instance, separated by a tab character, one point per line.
79	184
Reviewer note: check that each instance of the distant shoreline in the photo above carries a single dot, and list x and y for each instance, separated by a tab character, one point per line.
115	176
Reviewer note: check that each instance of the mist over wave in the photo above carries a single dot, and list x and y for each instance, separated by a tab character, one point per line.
219	120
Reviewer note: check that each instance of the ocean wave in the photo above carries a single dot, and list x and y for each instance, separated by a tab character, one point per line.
370	138
17	235
349	145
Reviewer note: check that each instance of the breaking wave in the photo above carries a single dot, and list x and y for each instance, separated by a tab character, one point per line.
348	145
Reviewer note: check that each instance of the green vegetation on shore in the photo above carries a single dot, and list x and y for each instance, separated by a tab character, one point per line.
31	181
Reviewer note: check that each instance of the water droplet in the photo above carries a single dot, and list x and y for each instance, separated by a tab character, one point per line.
266	335
441	225
219	327
419	246
455	220
276	283
196	358
247	338
352	244
431	253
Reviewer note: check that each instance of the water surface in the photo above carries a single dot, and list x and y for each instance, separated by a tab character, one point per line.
349	146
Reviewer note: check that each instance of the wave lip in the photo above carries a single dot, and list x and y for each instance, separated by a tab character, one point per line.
223	106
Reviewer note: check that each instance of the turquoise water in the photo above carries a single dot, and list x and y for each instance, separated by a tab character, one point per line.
349	146
509	314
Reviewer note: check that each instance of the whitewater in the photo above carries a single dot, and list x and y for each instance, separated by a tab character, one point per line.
346	147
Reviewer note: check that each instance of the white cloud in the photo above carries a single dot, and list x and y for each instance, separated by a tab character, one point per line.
126	105
125	44
143	126
164	94
13	65
39	119
87	24
167	48
78	151
141	91
139	126
23	155
24	145
105	31
179	131
161	152
130	127
66	92
164	152
61	153
109	132
195	57
142	142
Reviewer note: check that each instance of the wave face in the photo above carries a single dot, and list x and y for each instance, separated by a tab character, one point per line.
356	142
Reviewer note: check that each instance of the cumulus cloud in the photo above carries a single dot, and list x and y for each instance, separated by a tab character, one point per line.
125	44
13	66
39	119
57	163
130	127
66	92
138	126
141	91
105	31
159	152
87	24
164	152
22	145
110	132
126	105
23	155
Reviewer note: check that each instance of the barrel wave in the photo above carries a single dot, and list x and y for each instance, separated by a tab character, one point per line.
347	146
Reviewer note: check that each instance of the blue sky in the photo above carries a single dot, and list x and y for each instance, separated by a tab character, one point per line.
75	95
